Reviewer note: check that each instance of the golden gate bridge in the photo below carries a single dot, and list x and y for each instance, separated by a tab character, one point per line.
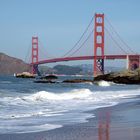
98	33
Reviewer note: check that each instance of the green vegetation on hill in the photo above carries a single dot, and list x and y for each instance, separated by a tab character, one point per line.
68	70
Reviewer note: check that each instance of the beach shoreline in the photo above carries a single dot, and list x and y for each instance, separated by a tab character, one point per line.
117	122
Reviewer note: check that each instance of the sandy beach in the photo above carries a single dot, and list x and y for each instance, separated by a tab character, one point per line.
119	122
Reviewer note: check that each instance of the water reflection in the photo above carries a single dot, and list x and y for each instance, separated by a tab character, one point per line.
104	126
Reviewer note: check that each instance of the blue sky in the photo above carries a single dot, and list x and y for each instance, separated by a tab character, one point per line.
60	23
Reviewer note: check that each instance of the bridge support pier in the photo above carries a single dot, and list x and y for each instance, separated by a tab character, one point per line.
133	62
36	70
98	45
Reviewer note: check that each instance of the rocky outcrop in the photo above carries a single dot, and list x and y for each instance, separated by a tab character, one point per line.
25	75
46	79
77	81
124	77
49	77
11	65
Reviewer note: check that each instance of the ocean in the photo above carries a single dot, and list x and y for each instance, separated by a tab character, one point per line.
27	107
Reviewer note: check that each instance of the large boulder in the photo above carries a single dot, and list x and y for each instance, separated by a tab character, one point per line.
123	77
25	75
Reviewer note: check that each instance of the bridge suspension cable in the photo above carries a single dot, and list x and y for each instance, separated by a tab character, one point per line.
114	30
91	33
91	21
118	45
43	50
28	56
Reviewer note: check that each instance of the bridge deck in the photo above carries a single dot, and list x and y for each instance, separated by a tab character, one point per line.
108	57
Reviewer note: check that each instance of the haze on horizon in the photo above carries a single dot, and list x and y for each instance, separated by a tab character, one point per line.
59	24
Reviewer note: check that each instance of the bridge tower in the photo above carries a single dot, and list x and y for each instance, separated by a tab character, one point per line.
34	54
98	45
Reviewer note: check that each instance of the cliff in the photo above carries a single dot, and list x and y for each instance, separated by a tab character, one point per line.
11	65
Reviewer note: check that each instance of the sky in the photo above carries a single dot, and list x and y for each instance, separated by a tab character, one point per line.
60	23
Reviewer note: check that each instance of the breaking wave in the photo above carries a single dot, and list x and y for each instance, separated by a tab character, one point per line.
81	94
104	83
61	108
74	94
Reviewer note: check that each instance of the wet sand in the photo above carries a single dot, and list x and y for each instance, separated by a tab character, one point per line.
119	122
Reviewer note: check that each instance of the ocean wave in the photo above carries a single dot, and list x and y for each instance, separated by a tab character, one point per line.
5	82
104	83
60	108
32	114
81	95
17	116
44	95
24	129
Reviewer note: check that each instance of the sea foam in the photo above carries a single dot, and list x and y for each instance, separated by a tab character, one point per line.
46	107
74	94
104	83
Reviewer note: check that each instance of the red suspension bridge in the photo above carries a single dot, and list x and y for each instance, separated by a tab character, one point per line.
99	44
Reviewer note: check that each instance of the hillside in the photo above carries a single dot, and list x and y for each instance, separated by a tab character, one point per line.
11	65
83	69
68	70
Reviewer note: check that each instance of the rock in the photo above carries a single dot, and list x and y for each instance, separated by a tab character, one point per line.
124	77
77	81
46	79
49	77
25	75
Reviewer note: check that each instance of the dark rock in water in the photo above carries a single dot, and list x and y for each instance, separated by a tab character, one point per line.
49	77
46	79
77	81
124	77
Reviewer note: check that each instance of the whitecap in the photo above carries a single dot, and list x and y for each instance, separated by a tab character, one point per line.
104	83
44	95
